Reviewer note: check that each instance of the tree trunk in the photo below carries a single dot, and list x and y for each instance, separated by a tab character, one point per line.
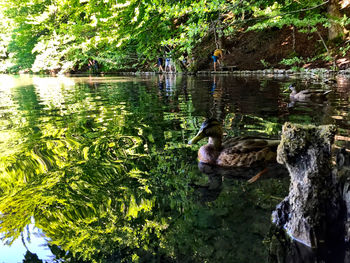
313	213
335	30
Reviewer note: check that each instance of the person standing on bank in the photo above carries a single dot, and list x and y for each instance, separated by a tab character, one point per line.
93	65
160	64
217	57
168	67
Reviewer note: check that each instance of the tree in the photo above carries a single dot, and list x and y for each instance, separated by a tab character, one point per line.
335	29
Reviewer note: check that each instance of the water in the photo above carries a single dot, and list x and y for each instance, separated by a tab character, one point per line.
101	165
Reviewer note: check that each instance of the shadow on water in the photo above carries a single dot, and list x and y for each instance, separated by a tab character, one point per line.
103	167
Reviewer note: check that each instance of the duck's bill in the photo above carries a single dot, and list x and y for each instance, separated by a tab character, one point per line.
198	137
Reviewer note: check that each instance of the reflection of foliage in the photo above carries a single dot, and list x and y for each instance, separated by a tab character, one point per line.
98	204
252	125
110	183
221	231
93	187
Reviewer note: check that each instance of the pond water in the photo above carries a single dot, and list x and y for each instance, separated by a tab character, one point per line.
98	169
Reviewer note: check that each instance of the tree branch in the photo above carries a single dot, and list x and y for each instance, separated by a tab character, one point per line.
283	14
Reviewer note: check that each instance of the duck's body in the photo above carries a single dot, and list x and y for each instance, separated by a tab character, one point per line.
307	94
239	152
233	152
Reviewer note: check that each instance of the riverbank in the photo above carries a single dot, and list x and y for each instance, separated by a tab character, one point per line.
317	74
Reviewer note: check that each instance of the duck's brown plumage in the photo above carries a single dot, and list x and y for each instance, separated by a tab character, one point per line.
245	152
233	152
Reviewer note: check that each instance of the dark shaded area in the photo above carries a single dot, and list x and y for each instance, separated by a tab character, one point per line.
31	258
313	213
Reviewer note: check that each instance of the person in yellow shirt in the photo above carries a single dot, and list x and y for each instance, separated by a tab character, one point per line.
217	56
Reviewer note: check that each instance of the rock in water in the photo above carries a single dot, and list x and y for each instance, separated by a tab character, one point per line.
313	211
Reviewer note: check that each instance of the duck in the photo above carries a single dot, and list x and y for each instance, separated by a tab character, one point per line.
305	95
233	152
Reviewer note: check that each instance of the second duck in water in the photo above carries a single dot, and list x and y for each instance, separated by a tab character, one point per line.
306	95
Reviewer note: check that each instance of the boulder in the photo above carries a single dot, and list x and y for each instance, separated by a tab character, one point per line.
313	212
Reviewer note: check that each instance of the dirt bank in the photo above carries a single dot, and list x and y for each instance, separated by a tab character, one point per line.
261	50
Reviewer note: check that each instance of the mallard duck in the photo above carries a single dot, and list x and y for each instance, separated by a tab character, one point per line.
307	94
234	152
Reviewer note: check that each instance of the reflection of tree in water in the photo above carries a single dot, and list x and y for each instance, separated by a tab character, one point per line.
169	86
107	184
228	221
245	96
245	106
113	182
217	109
95	189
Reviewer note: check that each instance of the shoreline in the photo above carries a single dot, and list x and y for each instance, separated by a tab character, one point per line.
316	74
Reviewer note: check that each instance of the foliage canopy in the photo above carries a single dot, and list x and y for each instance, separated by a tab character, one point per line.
52	35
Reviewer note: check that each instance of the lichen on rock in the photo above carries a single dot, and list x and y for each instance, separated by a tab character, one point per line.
312	213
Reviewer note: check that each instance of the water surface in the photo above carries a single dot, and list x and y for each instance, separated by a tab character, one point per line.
101	165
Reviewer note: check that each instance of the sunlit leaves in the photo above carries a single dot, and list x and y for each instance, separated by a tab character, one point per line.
124	35
116	34
89	175
302	14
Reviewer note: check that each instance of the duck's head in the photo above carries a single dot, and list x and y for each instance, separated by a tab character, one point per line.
210	128
292	89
